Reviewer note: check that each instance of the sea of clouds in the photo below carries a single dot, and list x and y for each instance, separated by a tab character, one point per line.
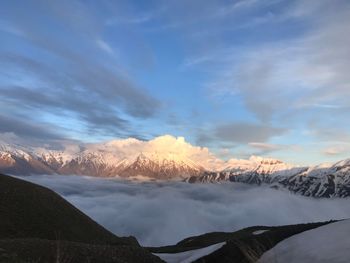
163	213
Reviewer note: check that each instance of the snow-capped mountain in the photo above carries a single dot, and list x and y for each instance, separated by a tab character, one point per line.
256	170
320	181
161	167
166	158
325	180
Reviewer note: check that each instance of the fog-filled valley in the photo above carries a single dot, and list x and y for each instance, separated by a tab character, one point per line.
162	213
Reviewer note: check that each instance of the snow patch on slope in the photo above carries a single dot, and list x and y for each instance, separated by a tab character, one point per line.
189	256
325	244
258	232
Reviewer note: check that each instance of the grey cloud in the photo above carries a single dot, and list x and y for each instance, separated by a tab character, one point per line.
266	148
96	96
23	129
96	115
246	132
165	212
337	149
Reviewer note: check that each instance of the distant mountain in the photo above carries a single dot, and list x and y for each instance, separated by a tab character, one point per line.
160	167
105	160
37	225
170	158
326	180
256	170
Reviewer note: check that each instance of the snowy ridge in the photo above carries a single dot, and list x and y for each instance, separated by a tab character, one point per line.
256	170
325	180
168	158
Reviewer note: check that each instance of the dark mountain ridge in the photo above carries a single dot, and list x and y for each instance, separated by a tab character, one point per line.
34	219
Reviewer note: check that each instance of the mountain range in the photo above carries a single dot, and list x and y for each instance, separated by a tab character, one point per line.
104	160
170	158
325	180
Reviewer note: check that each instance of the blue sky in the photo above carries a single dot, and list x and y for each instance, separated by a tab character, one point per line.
263	77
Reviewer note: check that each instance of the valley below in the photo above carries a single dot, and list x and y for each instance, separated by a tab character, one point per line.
163	213
114	220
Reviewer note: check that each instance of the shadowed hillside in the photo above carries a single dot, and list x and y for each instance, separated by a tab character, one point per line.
243	246
36	223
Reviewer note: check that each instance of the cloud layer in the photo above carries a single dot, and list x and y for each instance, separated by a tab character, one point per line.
165	213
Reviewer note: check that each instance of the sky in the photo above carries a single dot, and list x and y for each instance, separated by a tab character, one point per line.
241	77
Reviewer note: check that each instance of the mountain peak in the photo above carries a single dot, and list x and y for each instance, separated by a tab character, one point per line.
141	157
264	160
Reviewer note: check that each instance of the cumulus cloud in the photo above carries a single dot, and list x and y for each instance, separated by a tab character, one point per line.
162	213
165	146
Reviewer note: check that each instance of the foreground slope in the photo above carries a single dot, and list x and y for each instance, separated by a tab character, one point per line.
34	220
325	244
243	246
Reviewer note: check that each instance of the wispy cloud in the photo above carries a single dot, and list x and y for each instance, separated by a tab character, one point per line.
337	149
287	81
130	20
66	76
265	146
13	128
104	46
